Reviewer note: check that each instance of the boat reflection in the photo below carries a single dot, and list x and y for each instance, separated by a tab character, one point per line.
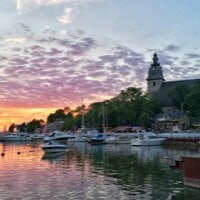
147	153
53	155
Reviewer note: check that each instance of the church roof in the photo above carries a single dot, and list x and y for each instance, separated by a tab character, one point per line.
163	94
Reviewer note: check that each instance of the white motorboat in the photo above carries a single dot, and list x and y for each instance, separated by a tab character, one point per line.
119	138
124	138
54	147
37	136
78	138
57	135
110	139
146	139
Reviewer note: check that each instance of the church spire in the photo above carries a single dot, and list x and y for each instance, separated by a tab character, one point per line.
155	60
155	71
155	75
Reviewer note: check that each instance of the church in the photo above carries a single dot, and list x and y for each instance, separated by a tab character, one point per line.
156	84
172	118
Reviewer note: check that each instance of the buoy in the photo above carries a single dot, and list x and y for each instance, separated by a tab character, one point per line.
3	154
18	152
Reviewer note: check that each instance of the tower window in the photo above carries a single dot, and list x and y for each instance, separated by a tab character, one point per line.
154	83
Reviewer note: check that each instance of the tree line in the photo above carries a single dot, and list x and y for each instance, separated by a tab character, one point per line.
131	107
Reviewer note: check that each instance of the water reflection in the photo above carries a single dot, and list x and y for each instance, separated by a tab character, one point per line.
53	156
91	172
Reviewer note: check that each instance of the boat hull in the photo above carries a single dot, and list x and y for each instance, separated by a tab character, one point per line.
97	141
54	149
121	141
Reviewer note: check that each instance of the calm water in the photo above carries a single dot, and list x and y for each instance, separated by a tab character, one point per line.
91	172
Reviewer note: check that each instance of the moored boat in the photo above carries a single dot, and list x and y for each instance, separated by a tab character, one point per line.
78	138
54	147
38	136
57	135
99	138
124	138
146	139
16	137
110	139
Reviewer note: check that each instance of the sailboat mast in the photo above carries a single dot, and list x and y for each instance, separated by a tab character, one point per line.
82	121
103	117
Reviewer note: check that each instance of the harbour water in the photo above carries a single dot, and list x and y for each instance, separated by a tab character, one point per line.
118	172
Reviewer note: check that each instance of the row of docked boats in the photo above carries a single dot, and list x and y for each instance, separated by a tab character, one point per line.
134	139
56	135
53	144
137	139
52	141
15	137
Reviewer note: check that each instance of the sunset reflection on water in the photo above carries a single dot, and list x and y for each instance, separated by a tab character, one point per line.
88	172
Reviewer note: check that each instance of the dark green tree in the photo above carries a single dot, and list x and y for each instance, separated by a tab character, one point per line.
131	103
11	128
33	125
150	108
192	100
69	123
178	95
22	127
59	115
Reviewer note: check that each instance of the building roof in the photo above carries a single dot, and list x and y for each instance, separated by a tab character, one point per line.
163	94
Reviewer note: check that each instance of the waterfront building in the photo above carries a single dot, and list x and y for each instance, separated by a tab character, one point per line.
173	121
50	127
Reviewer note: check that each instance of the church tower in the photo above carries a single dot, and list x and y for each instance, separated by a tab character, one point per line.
155	76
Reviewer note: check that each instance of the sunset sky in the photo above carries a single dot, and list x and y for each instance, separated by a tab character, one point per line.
58	53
